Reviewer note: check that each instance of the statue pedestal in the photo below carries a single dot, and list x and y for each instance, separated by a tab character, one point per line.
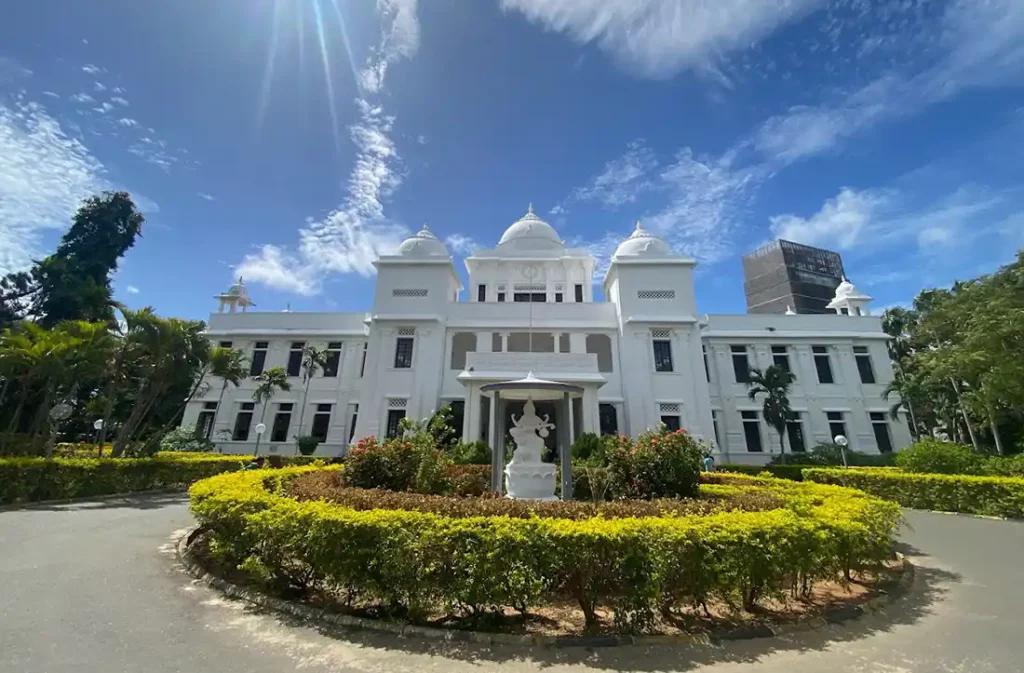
530	481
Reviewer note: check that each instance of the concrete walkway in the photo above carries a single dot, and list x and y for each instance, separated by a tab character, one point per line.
94	588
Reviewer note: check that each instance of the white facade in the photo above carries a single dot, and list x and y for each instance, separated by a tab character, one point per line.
639	355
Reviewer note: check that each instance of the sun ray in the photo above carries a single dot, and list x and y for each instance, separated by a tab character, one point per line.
328	79
268	68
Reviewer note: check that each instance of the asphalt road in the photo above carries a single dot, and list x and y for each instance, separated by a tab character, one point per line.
95	588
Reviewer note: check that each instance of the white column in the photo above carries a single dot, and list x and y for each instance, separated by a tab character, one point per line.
483	342
471	423
589	420
577	342
504	342
493	429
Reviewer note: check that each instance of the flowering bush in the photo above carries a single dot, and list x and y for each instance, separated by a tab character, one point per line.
184	439
659	464
931	456
407	463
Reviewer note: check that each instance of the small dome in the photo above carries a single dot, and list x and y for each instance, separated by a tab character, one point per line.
642	243
238	289
531	233
423	244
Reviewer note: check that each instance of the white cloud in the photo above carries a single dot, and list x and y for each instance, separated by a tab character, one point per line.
421	139
622	179
839	224
93	70
934	237
131	289
460	244
51	94
11	70
128	123
659	38
120	101
204	195
98	86
43	175
353	235
83	98
104	108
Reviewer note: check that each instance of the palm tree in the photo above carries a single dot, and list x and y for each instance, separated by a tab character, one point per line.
231	366
774	383
313	360
269	382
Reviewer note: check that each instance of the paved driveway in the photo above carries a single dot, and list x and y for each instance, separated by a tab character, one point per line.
94	588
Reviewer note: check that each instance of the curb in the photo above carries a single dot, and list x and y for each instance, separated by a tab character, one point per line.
830	617
92	498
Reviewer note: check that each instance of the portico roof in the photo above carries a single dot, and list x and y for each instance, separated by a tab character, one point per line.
531	387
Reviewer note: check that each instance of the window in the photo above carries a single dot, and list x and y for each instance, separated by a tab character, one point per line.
780	357
259	358
242	422
395	417
462	343
601	346
867	372
321	422
836	426
671	422
714	421
579	294
707	370
403	353
333	359
295	358
529	297
224	344
481	292
355	417
558	297
752	431
795	434
669	412
822	364
662	355
204	424
282	419
501	297
740	363
882	437
609	419
362	366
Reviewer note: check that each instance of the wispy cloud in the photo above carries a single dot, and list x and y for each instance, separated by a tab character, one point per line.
83	98
93	70
840	223
119	100
44	173
659	38
622	180
462	245
127	122
207	197
353	235
131	289
11	70
99	87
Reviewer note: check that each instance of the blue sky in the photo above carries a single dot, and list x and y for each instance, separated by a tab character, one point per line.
291	141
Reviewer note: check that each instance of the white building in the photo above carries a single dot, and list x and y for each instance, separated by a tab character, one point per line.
643	356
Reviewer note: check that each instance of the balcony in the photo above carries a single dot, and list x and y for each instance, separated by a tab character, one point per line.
577	367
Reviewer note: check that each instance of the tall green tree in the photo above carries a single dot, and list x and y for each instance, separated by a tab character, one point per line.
267	385
230	366
313	360
74	282
774	383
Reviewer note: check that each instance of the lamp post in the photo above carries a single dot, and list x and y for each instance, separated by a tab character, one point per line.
58	414
842	441
97	425
260	429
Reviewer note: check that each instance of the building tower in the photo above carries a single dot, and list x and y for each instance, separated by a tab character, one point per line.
236	296
783	274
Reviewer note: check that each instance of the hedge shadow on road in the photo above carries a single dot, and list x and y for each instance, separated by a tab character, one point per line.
142	500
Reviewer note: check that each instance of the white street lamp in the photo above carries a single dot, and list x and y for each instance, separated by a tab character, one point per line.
260	429
842	441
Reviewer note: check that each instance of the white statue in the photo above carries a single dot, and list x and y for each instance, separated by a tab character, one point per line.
526	476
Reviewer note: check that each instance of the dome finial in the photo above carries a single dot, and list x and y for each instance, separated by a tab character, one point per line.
639	225
529	209
425	227
240	280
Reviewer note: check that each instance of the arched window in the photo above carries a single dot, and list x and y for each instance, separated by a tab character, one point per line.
601	345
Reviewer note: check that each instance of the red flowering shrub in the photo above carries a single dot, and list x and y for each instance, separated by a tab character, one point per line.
410	463
659	464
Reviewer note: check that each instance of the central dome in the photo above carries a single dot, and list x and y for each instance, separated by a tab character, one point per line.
531	233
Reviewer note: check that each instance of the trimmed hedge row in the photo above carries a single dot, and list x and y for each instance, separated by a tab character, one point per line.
992	496
415	563
786	471
33	479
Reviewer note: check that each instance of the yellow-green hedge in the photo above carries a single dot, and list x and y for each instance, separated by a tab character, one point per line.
993	496
420	562
33	479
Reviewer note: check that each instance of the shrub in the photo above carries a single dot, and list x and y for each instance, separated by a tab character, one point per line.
414	562
780	471
589	449
469	480
411	463
933	456
1004	466
993	496
471	453
307	444
827	453
660	464
184	439
33	479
